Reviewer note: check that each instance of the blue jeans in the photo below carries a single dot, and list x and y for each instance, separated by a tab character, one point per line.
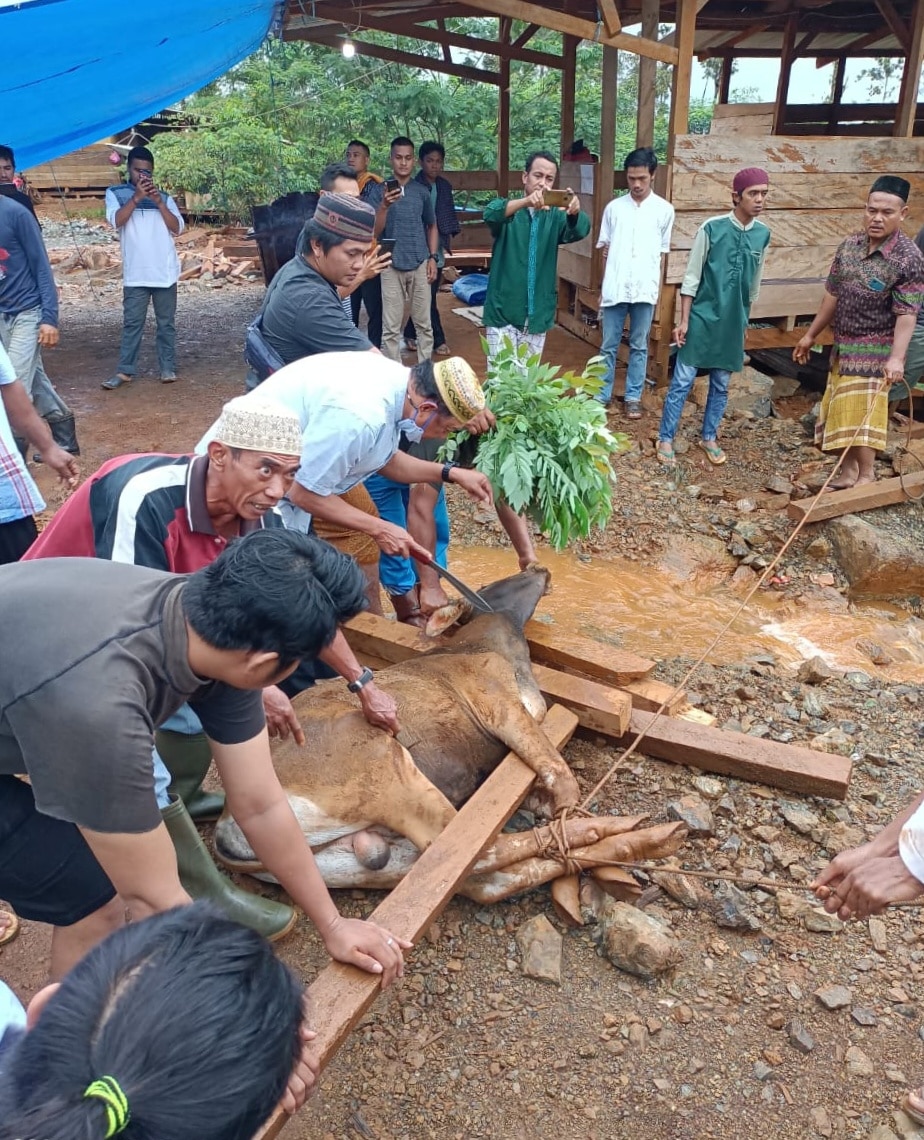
19	336
183	720
681	383
614	318
135	300
396	574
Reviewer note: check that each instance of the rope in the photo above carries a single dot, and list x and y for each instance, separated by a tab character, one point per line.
622	760
73	236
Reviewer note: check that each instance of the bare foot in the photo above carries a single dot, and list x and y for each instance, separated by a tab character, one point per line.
842	484
9	926
862	480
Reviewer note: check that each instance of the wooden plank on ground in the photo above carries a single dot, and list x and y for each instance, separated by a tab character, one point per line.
856	499
340	995
549	645
599	707
648	696
744	757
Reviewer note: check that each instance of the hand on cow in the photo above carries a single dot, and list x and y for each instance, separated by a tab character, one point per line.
474	484
392	539
368	946
432	598
280	716
304	1075
379	708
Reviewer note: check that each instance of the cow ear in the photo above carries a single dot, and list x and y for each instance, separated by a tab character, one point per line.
447	616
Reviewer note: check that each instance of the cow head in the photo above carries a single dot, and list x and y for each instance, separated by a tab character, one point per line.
516	596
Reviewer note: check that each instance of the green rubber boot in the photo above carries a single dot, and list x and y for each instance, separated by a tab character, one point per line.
202	879
187	758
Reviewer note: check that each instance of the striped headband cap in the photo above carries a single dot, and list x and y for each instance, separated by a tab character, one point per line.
346	216
259	425
460	388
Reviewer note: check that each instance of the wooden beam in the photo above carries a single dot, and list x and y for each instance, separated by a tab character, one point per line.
568	78
725	78
503	124
526	35
393	55
882	493
575	26
837	95
896	23
683	72
911	77
607	9
787	56
743	757
603	190
649	696
647	74
340	995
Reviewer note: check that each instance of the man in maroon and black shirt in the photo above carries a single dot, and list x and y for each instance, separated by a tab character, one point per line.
177	513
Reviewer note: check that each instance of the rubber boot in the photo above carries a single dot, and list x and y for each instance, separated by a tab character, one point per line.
23	446
187	759
202	880
407	608
64	433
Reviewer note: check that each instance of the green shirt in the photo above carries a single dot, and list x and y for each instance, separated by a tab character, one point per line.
523	288
723	278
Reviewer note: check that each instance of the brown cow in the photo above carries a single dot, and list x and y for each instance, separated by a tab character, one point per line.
369	803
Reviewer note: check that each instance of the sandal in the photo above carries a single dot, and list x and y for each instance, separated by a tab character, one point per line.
666	455
633	410
443	350
8	933
913	1105
714	453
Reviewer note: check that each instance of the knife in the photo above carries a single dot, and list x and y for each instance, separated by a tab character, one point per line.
467	592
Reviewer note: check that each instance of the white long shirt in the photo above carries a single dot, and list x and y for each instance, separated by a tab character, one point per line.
637	234
148	254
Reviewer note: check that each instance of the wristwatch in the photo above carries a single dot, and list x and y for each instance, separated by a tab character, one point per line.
433	257
447	467
361	681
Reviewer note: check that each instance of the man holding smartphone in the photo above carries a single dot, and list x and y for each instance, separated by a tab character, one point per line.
406	214
147	220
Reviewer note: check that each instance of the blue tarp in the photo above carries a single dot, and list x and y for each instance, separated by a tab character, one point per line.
75	71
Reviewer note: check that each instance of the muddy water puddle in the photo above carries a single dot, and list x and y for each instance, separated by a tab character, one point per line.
657	614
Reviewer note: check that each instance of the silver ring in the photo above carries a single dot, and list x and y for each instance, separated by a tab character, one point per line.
389	941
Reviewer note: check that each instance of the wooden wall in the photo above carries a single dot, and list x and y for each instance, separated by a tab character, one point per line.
87	171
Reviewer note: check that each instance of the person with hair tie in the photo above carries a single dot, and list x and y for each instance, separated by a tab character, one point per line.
721	284
874	291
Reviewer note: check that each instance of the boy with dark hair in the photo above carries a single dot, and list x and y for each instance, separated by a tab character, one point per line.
147	220
406	214
371	191
8	187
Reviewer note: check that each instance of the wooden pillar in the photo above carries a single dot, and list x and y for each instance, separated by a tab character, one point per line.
603	172
568	76
647	72
725	78
503	113
787	55
911	76
837	94
683	73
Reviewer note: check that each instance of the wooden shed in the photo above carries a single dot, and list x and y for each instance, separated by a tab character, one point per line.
819	177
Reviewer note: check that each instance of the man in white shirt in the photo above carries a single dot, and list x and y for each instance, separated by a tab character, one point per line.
147	220
635	233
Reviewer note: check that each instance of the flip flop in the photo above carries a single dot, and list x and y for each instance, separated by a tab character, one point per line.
12	928
913	1105
443	350
633	410
713	452
114	382
667	458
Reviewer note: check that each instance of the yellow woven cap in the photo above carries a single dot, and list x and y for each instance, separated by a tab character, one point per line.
460	388
259	425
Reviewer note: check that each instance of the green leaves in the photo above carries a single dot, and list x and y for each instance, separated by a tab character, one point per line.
550	453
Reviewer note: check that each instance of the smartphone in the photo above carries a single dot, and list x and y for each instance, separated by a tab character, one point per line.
387	245
556	198
391	185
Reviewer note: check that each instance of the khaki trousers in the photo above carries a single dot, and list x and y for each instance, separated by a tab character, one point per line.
404	292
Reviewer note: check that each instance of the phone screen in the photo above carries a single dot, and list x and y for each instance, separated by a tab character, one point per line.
387	245
392	184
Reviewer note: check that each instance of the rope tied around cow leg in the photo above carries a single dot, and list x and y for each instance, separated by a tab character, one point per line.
552	840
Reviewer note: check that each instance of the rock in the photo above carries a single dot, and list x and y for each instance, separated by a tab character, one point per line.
762	1071
799	1037
711	788
818	921
680	887
778	485
874	563
731	909
821	1121
693	812
752	392
815	671
874	651
791	905
696	558
819	549
878	934
834	997
863	1016
540	950
857	1062
833	741
906	1127
814	704
882	1132
799	817
637	943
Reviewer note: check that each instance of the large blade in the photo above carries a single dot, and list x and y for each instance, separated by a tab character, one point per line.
467	592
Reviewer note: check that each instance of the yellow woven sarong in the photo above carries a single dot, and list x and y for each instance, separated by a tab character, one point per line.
845	406
353	542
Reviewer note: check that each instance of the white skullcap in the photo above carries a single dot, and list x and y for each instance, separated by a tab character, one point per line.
259	425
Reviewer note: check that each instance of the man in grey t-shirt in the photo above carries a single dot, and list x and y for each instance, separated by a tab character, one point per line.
83	842
406	214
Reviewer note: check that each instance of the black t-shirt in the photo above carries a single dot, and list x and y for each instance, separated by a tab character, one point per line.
8	190
303	315
94	658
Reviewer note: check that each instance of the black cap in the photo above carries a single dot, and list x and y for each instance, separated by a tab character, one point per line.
891	184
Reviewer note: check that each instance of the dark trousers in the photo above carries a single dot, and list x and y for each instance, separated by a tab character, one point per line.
135	300
439	337
15	539
370	295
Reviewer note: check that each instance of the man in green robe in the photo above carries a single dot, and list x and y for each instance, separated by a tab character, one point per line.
720	286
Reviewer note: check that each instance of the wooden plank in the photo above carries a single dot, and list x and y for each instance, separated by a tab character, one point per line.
647	76
340	995
568	77
787	57
705	190
597	707
322	35
782	263
799	228
911	77
607	9
783	154
897	24
855	499
648	696
744	757
591	334
574	262
787	298
756	339
684	33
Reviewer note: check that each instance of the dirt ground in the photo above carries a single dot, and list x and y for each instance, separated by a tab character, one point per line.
468	1047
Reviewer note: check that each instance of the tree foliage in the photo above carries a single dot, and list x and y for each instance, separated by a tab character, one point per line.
273	122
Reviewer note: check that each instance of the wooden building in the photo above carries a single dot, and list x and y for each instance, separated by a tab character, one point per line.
819	177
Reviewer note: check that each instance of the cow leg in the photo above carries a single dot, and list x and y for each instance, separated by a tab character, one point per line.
403	800
579	832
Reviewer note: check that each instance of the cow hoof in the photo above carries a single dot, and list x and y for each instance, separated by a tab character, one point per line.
371	850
